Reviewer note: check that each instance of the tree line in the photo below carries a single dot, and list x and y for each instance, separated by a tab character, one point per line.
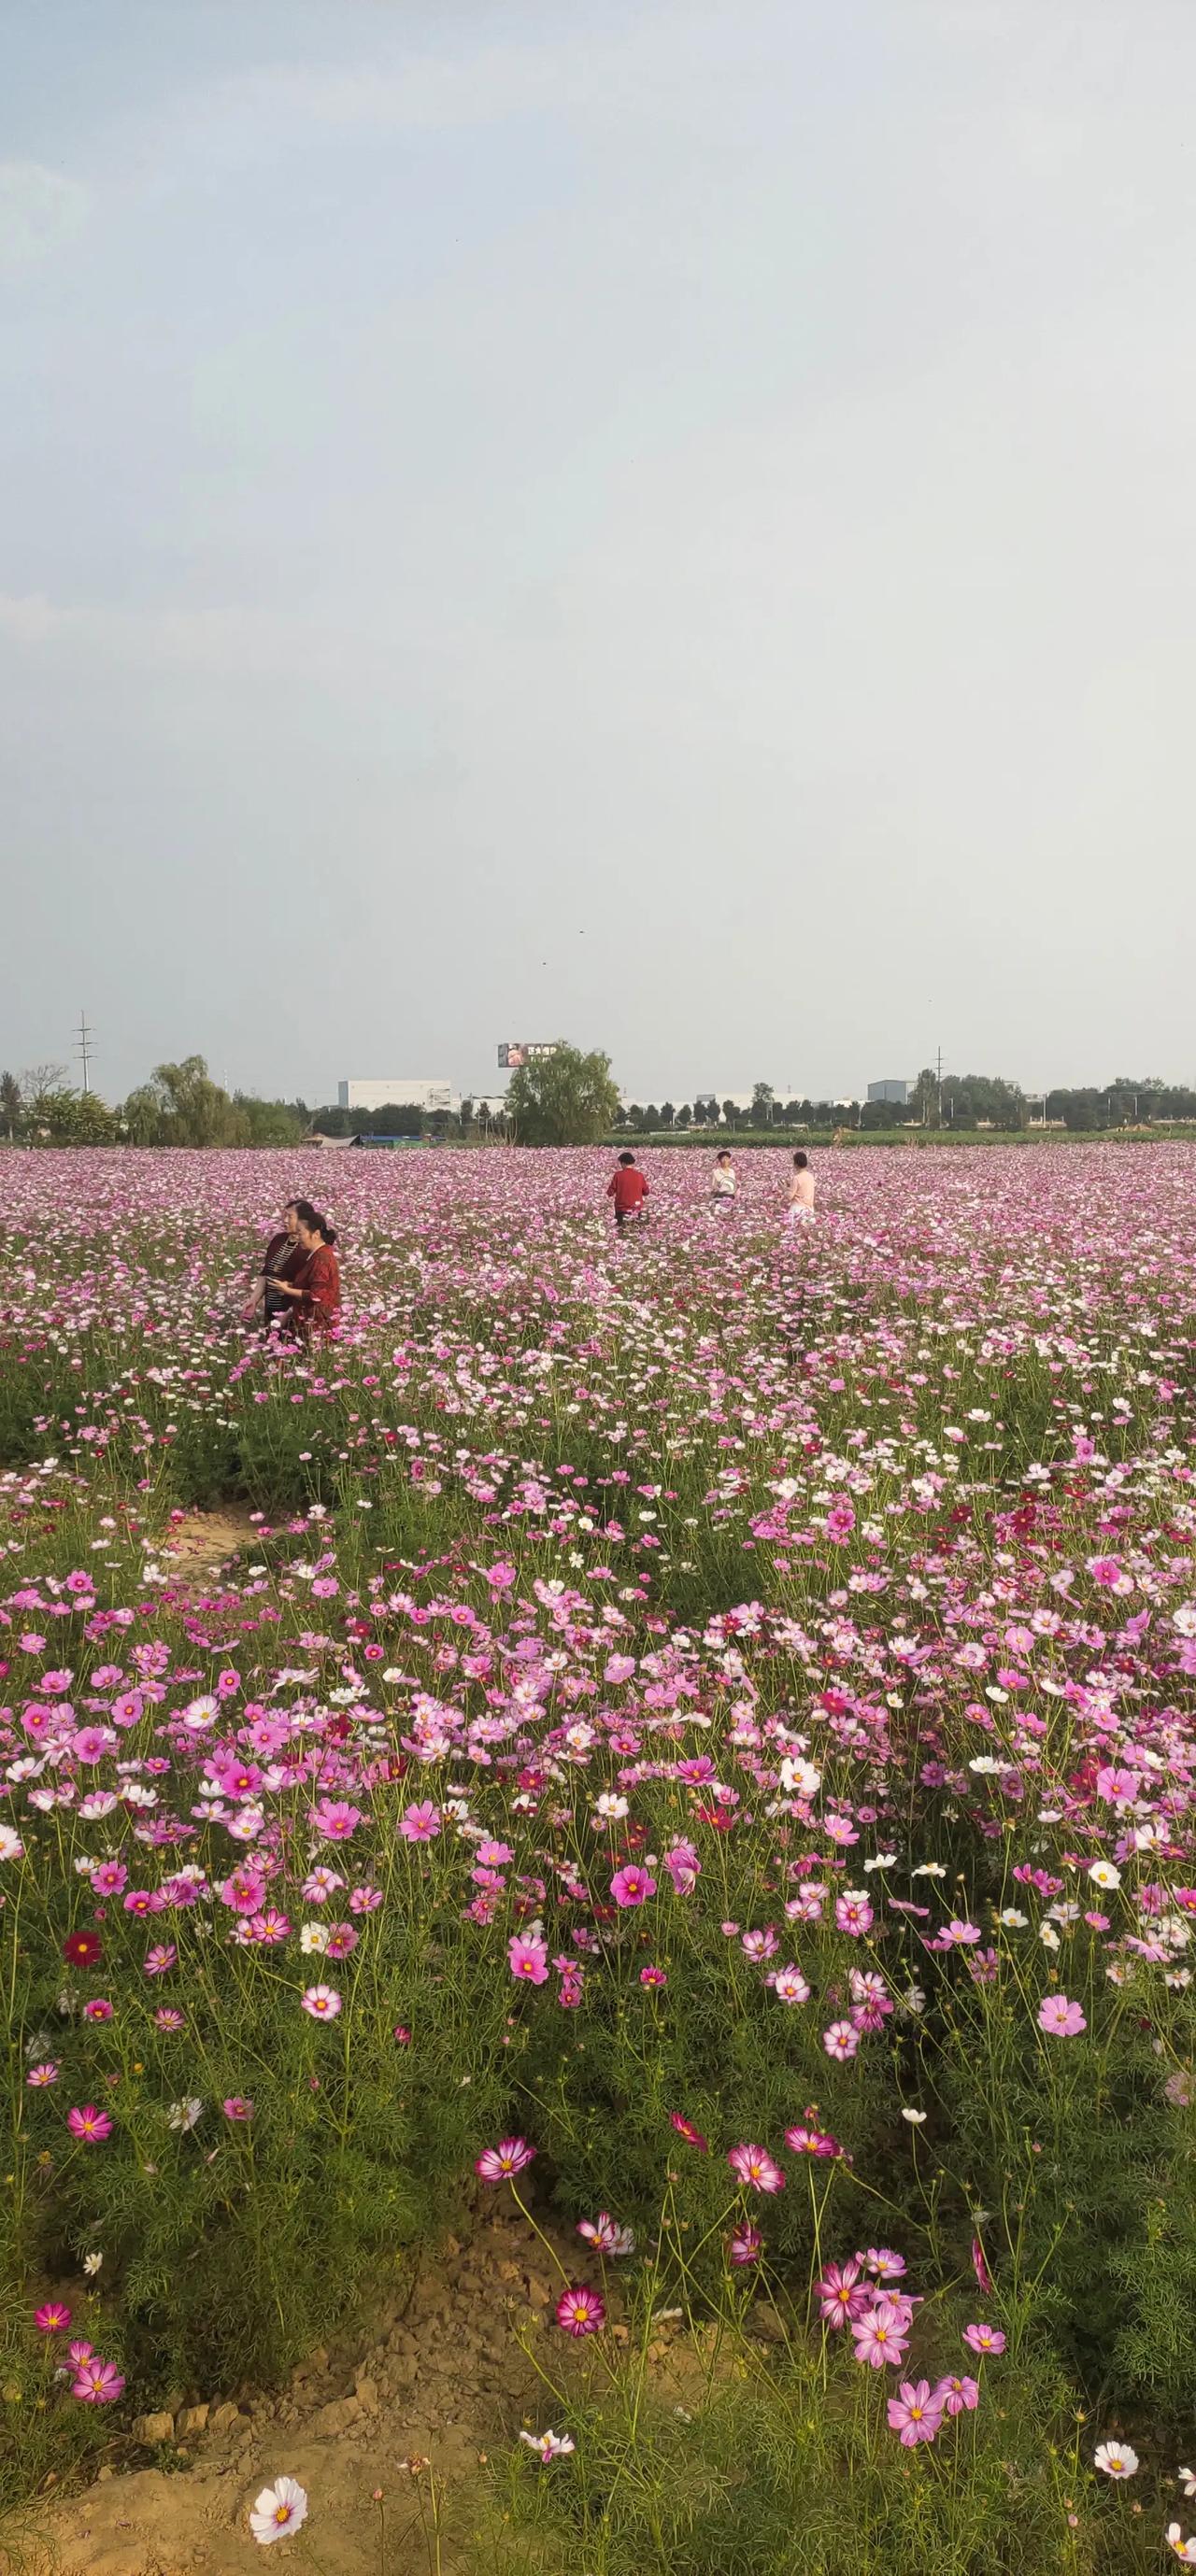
569	1098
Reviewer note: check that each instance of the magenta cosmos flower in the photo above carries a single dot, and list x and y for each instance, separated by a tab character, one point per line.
843	2294
685	2129
89	2125
632	1886
812	2142
746	2244
236	2108
99	2382
501	2163
754	2166
581	2312
915	2413
1062	2018
984	2338
53	2318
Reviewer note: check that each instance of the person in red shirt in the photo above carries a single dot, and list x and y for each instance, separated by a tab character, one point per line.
628	1188
316	1288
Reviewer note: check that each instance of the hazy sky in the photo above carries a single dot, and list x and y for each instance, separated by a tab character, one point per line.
669	525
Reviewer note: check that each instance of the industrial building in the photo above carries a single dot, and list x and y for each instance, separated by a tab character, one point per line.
896	1093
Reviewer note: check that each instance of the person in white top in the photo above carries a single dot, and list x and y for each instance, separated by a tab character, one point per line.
801	1191
722	1180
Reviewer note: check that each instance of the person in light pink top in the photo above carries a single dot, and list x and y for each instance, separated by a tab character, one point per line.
801	1191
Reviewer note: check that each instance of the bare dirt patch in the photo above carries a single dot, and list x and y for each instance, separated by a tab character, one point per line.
203	1542
439	2379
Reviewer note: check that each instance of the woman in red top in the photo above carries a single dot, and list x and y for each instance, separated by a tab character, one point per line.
315	1290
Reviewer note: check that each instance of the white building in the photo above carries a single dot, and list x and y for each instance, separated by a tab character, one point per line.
405	1091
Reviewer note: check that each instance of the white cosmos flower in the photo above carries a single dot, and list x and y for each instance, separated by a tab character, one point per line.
11	1845
929	1869
915	2118
1103	1874
183	2115
313	1936
279	2509
1116	2459
801	1779
92	2263
549	2446
1187	2480
1013	1921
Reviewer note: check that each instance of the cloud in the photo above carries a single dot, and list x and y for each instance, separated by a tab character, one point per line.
217	640
39	209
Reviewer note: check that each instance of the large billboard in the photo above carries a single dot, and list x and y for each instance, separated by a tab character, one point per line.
512	1058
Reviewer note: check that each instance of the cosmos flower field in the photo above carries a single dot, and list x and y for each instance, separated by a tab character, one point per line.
702	1738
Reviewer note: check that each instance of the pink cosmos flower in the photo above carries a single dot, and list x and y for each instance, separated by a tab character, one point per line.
89	2125
98	2382
46	2073
501	2163
980	2267
653	1976
916	2413
161	1959
685	2129
99	2009
236	2108
883	2264
53	2318
528	1960
841	2040
881	2335
753	2165
606	2235
843	2294
746	2245
632	1887
420	1823
581	2312
334	1820
322	2002
1062	2018
984	2338
812	2142
789	1986
956	2396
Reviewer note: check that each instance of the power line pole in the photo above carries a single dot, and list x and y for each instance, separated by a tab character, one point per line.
84	1048
939	1070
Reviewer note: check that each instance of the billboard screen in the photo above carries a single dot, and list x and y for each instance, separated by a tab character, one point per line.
512	1058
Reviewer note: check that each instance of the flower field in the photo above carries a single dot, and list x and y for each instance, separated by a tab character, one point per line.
702	1741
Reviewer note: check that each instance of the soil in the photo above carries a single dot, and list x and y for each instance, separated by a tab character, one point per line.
439	2379
202	1542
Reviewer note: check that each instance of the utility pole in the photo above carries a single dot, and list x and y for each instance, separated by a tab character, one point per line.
939	1070
84	1048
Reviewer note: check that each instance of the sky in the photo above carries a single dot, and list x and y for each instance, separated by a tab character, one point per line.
671	526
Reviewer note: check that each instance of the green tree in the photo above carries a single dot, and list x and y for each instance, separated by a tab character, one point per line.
270	1122
10	1103
183	1106
568	1098
762	1100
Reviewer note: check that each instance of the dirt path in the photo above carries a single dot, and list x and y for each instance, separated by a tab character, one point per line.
438	2380
202	1542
